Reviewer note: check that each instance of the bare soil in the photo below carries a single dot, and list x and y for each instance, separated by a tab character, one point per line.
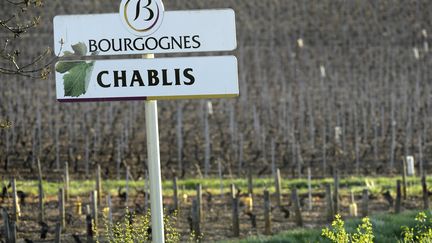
216	223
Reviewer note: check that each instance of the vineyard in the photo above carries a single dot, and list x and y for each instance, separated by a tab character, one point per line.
335	110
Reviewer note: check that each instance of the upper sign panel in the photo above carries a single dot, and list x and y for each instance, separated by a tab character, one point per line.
180	31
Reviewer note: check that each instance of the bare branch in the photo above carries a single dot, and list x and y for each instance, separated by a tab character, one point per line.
16	28
5	124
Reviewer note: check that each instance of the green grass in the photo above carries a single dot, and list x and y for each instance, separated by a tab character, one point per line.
386	228
356	184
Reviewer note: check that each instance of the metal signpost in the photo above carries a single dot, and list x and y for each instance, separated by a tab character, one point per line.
143	27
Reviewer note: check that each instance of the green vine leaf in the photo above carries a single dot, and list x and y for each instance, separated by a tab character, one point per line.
63	67
77	74
77	79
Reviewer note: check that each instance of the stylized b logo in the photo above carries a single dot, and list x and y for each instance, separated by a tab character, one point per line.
142	17
146	7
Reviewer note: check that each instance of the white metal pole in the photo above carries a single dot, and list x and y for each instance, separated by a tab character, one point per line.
152	131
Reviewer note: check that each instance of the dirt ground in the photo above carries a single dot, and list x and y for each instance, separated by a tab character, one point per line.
216	222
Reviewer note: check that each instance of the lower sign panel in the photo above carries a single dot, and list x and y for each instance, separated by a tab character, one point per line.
147	79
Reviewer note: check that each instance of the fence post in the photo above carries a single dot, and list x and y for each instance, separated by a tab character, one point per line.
267	213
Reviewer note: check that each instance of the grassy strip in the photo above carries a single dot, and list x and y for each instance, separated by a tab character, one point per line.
386	228
356	184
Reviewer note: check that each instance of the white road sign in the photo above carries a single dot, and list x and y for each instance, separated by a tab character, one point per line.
147	79
180	31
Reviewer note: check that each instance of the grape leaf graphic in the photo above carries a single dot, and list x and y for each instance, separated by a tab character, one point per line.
80	49
77	74
77	79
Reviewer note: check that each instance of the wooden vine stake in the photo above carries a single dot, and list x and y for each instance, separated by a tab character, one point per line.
62	214
110	214
425	192
278	188
40	194
127	186
404	181
199	201
13	232
235	217
99	185
295	200
329	206
398	197
195	219
94	209
58	231
267	213
233	190
352	206
66	181
6	224
89	224
175	194
250	181
336	193
365	203
16	206
309	182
